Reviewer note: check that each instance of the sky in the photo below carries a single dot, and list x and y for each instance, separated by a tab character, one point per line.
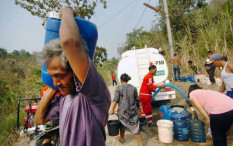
20	30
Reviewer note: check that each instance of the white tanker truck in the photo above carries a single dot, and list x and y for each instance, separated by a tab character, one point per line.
136	62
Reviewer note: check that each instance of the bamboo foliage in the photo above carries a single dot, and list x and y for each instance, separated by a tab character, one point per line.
213	29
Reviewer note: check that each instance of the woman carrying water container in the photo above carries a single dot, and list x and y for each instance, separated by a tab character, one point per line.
126	97
217	109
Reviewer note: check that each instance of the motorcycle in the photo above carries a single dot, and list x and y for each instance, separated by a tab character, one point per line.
36	133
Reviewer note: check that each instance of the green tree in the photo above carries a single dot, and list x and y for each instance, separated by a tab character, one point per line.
3	53
100	56
138	38
40	8
15	53
182	14
24	53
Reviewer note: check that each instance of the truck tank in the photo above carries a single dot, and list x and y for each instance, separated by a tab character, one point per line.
136	62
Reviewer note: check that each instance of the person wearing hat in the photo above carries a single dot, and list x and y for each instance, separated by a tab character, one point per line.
218	60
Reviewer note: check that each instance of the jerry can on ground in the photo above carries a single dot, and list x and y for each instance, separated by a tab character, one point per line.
188	115
88	32
197	131
181	130
169	113
162	110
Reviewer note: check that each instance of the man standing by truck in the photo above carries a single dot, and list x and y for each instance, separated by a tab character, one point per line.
176	66
145	94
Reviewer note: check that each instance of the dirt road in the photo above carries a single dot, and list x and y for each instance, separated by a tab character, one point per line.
150	135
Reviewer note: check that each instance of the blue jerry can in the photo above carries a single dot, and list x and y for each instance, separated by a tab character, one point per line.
162	110
169	113
88	32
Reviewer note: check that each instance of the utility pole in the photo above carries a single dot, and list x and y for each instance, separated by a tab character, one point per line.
149	6
169	33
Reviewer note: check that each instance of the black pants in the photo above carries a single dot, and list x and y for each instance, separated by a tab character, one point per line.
219	124
114	81
211	75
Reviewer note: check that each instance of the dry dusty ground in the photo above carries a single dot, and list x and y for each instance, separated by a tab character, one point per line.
150	135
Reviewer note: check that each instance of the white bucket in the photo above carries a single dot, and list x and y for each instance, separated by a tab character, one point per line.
165	129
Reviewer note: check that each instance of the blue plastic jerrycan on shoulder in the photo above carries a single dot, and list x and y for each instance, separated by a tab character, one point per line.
88	32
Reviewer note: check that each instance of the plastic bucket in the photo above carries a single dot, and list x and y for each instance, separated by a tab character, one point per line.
165	130
113	127
142	121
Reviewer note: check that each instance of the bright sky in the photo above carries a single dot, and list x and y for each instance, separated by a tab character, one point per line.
20	30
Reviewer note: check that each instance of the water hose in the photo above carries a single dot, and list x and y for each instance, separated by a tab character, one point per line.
183	95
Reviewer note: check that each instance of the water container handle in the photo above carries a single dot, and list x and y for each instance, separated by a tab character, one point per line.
195	115
53	14
182	106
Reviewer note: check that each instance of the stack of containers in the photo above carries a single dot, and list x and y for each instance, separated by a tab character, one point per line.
182	122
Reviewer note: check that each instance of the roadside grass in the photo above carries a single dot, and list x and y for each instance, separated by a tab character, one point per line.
8	128
107	68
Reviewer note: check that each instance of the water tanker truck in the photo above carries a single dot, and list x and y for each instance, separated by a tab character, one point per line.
135	63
